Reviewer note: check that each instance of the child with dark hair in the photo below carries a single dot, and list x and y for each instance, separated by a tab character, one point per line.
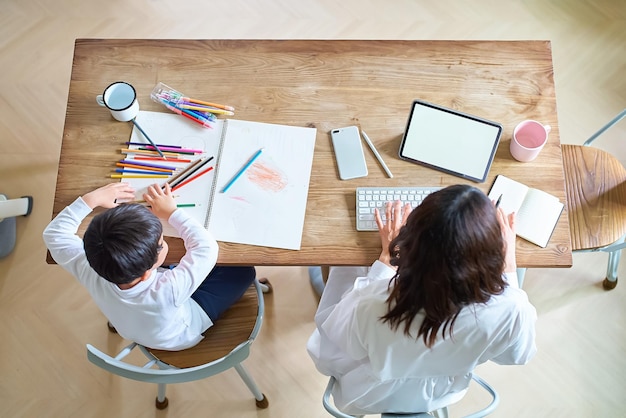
119	258
405	334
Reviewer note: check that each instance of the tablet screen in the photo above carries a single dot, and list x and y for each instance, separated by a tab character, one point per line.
450	141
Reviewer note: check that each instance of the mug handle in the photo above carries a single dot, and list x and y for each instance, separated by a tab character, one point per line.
548	128
100	100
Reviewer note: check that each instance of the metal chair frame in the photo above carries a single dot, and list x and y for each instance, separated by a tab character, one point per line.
440	413
165	373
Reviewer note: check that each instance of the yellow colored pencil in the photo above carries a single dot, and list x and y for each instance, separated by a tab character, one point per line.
147	152
208	109
139	176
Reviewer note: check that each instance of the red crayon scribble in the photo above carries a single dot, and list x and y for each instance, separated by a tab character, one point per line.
267	178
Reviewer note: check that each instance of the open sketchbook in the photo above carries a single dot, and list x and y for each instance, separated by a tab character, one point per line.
266	205
537	212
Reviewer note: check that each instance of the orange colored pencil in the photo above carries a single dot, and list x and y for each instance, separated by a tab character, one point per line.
219	106
142	167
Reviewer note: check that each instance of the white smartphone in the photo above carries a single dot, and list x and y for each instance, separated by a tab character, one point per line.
349	152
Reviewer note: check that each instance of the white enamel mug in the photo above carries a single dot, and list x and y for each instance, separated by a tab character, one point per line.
121	100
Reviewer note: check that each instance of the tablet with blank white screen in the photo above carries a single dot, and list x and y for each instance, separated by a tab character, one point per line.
450	141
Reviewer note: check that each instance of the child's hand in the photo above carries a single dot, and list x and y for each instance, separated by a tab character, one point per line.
161	201
106	196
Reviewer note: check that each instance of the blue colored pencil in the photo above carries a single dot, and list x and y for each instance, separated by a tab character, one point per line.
242	170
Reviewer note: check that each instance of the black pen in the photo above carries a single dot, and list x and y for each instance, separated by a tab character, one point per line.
498	201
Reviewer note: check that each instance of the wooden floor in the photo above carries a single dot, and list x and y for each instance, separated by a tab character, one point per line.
47	318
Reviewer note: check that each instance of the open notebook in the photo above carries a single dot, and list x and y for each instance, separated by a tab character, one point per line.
537	212
266	205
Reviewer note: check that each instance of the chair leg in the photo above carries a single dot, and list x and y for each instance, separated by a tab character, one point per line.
261	399
111	328
161	400
611	272
441	413
521	272
266	286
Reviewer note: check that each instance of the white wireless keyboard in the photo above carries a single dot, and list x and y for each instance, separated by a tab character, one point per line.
370	198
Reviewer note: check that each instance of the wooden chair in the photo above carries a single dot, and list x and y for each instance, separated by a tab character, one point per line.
595	186
440	413
226	344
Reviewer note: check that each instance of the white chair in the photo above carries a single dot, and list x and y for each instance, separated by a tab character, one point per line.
595	186
440	413
9	209
226	344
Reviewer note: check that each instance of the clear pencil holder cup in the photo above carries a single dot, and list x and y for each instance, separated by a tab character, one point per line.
178	103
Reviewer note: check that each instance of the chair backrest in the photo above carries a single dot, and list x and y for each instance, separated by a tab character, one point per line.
495	400
226	344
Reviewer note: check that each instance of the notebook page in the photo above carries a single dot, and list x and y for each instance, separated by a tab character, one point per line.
513	193
172	129
266	205
538	216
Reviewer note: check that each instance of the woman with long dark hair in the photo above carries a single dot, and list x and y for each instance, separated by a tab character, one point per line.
405	334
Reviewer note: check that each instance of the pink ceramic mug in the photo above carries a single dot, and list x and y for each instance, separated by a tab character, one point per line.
529	137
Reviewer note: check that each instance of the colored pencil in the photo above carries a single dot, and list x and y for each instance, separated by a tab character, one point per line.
160	145
190	172
155	158
139	176
180	112
147	137
179	150
164	167
242	170
127	170
140	167
219	106
208	109
187	205
195	114
170	155
151	148
192	178
209	116
185	171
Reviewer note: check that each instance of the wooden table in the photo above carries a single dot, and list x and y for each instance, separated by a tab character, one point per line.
326	85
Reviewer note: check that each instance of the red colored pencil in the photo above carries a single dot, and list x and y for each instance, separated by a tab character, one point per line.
182	183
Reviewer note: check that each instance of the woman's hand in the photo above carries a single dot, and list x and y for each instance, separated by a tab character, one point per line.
507	224
396	215
107	196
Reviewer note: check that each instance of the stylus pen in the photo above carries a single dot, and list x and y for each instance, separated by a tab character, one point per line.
498	201
378	157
